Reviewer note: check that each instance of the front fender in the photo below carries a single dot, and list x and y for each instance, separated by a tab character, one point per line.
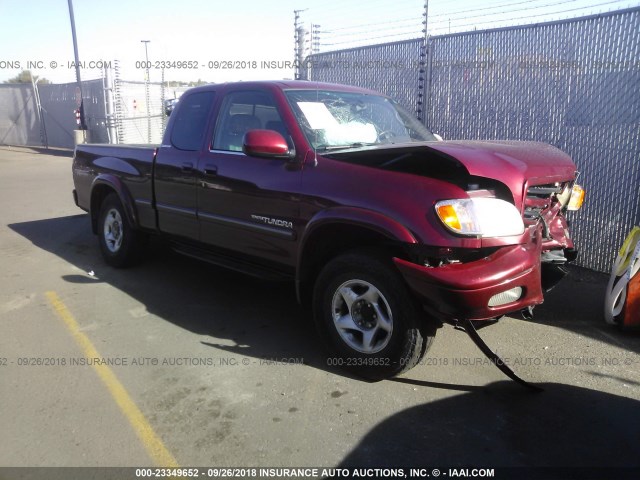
360	218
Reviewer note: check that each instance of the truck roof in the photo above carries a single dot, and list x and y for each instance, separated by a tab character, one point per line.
285	85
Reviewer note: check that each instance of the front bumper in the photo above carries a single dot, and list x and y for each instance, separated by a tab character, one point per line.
463	290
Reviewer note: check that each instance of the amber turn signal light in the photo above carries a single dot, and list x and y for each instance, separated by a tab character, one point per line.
449	217
577	198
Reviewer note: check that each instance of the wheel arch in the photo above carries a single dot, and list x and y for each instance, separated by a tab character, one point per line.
102	186
339	230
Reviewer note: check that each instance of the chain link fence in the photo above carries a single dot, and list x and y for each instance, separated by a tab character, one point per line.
574	84
391	68
138	121
139	110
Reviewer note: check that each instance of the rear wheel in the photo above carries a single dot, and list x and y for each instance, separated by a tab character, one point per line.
368	319
120	244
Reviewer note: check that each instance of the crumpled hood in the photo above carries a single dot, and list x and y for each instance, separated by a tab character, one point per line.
528	159
513	163
516	164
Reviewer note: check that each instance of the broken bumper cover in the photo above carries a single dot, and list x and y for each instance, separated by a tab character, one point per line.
507	281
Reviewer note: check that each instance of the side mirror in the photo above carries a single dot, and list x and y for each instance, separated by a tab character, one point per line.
267	144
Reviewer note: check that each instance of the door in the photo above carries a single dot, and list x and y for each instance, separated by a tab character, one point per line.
248	204
176	167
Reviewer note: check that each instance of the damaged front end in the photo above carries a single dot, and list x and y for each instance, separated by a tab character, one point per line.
498	242
546	205
519	247
471	289
501	281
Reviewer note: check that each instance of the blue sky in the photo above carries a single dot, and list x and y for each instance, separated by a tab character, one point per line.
242	31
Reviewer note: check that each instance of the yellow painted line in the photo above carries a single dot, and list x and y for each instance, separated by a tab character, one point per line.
143	429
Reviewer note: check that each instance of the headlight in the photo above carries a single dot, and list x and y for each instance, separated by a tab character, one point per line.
481	217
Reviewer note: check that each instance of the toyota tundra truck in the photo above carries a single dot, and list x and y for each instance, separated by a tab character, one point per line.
386	231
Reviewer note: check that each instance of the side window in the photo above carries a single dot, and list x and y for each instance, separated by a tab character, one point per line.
244	111
191	122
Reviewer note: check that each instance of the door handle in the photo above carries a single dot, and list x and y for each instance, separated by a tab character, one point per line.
211	170
187	167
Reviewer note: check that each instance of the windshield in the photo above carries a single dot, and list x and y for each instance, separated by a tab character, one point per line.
334	120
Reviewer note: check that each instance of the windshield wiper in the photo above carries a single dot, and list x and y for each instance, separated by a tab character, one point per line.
327	148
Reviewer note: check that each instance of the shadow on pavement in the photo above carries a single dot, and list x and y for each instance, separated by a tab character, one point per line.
503	425
262	318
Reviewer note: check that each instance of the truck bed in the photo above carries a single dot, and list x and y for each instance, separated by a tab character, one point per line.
129	166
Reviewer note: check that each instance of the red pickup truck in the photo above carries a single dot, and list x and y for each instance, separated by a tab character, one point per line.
386	231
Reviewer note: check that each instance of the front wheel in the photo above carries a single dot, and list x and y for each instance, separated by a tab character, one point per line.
367	317
120	244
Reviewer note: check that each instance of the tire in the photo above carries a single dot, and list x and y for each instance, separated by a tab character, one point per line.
367	317
120	244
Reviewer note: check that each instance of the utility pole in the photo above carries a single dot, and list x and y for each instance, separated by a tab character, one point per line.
299	44
424	79
146	88
83	124
302	33
425	31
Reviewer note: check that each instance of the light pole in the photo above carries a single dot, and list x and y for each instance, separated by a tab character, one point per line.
146	88
83	125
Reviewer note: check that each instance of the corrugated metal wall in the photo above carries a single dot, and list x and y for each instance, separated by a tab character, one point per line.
58	105
574	84
23	123
19	119
53	124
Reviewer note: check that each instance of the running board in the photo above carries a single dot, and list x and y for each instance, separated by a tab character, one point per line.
467	326
230	263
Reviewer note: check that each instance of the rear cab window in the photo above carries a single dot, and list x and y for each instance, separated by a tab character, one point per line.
191	121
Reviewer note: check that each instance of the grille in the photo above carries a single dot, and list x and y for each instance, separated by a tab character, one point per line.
541	197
